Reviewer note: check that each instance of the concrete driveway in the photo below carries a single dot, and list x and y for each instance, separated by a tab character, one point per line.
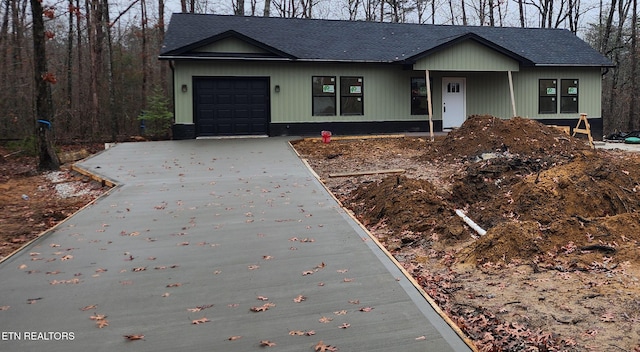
211	245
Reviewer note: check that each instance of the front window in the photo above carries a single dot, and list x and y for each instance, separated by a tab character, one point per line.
324	95
547	96
418	96
569	96
351	96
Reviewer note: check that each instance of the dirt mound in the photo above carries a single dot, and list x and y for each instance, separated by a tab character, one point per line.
488	134
413	207
591	201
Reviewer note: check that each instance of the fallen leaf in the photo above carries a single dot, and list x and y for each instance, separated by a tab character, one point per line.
141	268
134	337
267	343
176	284
262	298
199	308
4	308
420	338
355	301
23	266
254	267
308	272
346	279
366	309
166	294
102	323
67	257
90	307
263	307
344	325
302	333
342	271
267	257
340	312
200	321
300	298
325	320
233	338
321	347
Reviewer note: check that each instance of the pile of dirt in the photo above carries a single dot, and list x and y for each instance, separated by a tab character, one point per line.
488	134
411	207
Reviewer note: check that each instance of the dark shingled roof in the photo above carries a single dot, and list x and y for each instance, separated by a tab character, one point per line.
358	41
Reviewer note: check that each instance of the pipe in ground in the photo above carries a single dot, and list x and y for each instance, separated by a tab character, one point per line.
470	222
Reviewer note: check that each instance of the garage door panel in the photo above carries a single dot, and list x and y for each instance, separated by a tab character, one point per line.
231	106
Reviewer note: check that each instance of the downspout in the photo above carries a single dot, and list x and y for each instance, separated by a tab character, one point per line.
429	105
513	99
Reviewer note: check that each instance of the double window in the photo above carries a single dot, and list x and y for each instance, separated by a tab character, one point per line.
549	96
324	95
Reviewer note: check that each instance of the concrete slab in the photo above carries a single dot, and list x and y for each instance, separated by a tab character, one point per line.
210	229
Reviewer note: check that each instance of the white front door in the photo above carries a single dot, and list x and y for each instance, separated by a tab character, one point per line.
453	102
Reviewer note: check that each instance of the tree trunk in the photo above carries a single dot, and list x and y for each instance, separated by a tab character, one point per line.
267	8
47	158
521	10
634	124
112	91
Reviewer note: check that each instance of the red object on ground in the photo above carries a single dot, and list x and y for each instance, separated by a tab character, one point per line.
326	136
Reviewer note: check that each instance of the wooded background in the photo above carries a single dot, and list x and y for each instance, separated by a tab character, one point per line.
101	65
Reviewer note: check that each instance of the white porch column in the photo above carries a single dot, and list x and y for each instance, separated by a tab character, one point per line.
429	106
513	99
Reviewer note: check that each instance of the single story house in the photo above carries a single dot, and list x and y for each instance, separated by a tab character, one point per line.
237	75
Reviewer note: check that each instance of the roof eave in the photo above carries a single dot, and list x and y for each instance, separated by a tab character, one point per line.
576	65
229	34
170	56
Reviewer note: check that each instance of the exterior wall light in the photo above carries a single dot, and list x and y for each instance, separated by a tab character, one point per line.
184	88
277	89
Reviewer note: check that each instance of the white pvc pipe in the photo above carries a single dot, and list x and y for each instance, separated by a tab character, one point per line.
470	222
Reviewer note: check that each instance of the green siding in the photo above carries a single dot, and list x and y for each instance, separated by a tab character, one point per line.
387	90
467	56
589	91
231	45
387	93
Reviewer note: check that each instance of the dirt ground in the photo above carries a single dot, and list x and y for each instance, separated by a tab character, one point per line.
32	201
559	266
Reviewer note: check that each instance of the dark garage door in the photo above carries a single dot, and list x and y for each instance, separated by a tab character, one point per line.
231	106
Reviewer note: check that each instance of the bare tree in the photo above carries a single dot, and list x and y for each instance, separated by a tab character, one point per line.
47	158
267	8
521	12
353	7
634	122
238	7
